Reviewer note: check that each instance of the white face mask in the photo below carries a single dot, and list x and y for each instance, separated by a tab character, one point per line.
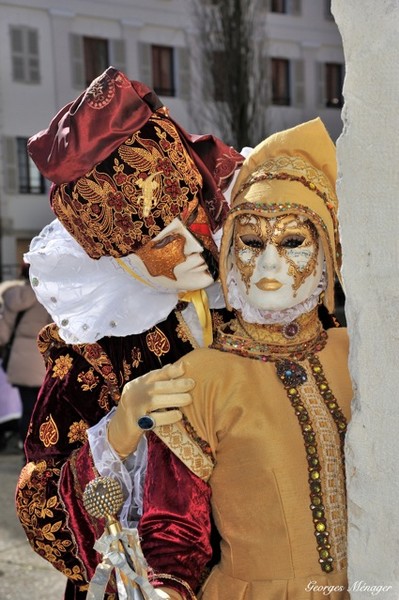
278	261
172	260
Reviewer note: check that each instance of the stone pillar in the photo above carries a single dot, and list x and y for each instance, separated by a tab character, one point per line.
368	190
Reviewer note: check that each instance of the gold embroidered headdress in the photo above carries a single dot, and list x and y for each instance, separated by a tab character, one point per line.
291	172
123	169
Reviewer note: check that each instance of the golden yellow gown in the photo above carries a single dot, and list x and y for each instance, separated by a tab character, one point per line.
277	489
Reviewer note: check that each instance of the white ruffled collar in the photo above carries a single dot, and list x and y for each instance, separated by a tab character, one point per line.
89	299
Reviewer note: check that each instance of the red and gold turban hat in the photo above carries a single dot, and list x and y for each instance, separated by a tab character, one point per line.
122	169
291	172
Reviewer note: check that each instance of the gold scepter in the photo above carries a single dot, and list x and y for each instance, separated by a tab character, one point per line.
120	547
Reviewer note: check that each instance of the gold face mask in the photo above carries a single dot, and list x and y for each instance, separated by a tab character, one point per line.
294	238
160	257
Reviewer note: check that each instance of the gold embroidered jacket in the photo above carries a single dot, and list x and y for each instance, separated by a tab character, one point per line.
82	383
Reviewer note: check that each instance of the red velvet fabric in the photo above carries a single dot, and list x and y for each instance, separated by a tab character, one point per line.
86	131
82	384
176	524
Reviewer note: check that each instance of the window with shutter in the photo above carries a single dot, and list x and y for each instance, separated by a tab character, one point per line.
280	69
117	54
10	165
144	54
21	174
163	77
25	54
287	7
278	6
91	56
96	58
30	180
334	77
77	61
298	82
183	69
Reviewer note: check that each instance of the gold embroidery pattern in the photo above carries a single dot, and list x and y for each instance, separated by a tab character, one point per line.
102	90
62	366
105	210
48	432
183	331
88	380
308	329
44	519
298	169
157	342
49	338
333	477
77	432
127	370
136	357
178	440
217	320
93	353
98	359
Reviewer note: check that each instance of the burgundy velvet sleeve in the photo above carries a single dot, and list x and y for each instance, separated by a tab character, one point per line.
49	492
176	524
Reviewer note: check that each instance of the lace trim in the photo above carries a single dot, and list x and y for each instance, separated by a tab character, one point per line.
129	473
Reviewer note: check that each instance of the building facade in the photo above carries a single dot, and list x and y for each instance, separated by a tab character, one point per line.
50	50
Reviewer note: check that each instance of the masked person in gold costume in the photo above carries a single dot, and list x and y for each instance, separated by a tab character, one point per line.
258	455
138	203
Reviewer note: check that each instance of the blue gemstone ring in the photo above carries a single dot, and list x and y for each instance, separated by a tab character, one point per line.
146	423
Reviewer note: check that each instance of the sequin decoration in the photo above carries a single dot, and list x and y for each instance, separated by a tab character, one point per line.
329	399
314	477
291	373
290	330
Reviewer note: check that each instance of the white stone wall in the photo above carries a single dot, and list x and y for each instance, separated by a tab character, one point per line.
368	190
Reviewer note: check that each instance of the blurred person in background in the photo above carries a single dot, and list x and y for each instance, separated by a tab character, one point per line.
10	401
22	317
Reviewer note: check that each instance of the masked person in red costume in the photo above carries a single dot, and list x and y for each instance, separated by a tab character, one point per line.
271	401
123	271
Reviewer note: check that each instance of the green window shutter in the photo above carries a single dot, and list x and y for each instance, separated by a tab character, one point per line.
298	82
183	70
144	54
77	61
10	165
117	54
